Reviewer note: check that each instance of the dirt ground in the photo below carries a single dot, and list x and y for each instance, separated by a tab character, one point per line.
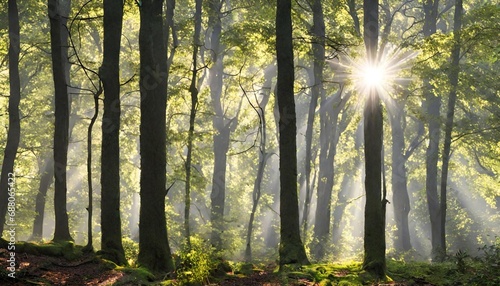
44	270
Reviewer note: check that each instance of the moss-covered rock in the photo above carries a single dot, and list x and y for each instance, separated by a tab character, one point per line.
66	249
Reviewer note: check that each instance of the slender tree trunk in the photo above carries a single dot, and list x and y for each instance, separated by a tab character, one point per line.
111	236
374	238
401	200
13	135
433	103
193	89
154	250
318	48
61	125
453	76
90	208
291	249
263	157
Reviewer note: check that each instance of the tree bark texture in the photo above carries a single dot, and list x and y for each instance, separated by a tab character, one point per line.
374	238
154	250
111	240
14	133
291	250
61	135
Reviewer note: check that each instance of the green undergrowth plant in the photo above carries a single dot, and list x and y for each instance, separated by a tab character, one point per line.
196	263
486	267
131	249
330	274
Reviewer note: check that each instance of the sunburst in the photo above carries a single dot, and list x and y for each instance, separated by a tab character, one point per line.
379	77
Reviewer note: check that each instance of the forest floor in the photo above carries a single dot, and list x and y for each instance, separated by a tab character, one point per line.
88	269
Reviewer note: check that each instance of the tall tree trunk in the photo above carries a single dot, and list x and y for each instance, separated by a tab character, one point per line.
318	48
14	133
374	238
453	76
193	89
47	171
57	22
222	125
433	103
111	236
291	249
401	200
90	208
260	109
154	250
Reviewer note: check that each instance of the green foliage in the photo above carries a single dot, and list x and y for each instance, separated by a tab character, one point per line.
486	268
131	249
460	269
196	263
460	258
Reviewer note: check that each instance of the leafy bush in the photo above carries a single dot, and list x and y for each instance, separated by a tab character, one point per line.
196	263
131	249
488	266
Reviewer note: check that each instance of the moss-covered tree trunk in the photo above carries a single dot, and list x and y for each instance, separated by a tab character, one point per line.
111	239
14	133
374	237
291	250
154	250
